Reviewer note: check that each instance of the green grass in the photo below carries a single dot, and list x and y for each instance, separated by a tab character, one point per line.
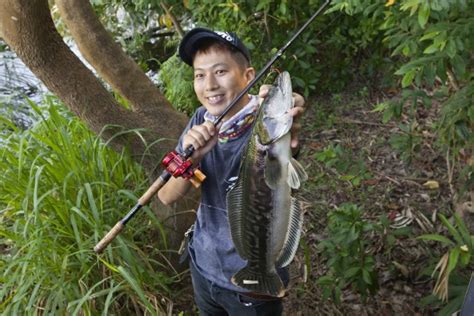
61	190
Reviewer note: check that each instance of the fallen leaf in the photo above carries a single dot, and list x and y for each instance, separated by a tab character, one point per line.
403	269
370	181
431	184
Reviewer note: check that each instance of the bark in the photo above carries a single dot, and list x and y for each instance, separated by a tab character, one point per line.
27	27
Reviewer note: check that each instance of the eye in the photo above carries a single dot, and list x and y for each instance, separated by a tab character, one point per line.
198	75
221	71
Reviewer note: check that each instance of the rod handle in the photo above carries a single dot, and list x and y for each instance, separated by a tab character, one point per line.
101	245
155	187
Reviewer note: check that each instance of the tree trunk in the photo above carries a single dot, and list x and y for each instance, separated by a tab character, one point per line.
27	27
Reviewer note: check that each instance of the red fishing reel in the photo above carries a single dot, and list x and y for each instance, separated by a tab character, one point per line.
178	167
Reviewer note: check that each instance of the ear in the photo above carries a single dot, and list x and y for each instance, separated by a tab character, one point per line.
249	74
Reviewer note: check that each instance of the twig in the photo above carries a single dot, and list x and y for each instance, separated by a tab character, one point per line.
173	19
388	178
350	121
450	172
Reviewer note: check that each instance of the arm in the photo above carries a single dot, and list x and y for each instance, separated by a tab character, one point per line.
203	138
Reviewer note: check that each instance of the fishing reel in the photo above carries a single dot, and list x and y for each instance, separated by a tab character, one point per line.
177	166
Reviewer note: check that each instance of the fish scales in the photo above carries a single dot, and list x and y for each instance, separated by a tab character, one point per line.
265	220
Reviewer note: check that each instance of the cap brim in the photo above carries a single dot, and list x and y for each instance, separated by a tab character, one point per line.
188	45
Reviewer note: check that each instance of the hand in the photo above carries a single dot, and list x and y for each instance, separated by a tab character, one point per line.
203	138
296	112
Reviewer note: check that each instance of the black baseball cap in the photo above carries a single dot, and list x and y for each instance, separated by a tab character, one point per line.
190	42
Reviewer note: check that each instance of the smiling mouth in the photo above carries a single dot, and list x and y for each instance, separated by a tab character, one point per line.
215	99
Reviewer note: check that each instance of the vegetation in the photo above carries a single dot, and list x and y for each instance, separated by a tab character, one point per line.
61	189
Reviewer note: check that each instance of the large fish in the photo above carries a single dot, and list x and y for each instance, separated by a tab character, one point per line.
265	221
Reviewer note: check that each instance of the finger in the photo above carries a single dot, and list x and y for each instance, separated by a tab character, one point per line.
294	142
298	100
263	92
296	112
200	135
195	139
210	128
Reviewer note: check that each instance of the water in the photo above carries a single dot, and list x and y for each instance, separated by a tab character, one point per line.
17	83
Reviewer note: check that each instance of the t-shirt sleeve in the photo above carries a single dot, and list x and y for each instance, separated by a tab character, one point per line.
196	119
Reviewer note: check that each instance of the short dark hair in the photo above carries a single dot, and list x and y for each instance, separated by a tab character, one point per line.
205	45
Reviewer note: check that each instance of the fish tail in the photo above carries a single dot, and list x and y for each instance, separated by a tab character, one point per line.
269	283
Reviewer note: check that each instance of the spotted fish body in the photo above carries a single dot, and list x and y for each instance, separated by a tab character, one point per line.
265	221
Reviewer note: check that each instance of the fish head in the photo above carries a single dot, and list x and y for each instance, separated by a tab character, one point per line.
274	119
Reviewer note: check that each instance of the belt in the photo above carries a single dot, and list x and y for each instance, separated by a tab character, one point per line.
261	297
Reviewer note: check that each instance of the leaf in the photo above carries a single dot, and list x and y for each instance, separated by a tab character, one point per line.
429	35
459	65
431	184
380	107
136	287
451	230
433	48
351	272
436	237
453	259
451	48
423	15
366	276
408	78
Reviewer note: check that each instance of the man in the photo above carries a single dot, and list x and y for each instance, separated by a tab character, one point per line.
222	69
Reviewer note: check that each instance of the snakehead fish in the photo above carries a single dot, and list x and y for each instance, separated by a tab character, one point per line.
265	220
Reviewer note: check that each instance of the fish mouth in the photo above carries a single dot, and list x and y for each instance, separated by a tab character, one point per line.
215	99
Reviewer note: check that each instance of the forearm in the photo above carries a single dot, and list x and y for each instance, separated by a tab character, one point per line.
173	190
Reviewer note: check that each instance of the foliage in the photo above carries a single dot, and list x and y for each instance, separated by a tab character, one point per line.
459	256
176	81
346	250
341	159
61	189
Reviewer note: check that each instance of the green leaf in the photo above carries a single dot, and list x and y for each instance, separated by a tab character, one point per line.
433	48
453	259
423	14
436	237
351	272
366	276
459	65
136	287
429	35
408	78
451	49
452	230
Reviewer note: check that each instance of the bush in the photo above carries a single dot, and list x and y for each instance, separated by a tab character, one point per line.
345	249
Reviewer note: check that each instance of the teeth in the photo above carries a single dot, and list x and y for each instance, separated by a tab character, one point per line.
214	99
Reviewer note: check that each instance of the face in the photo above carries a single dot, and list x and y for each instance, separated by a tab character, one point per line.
218	79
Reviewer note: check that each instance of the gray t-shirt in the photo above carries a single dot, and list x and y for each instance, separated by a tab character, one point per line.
211	248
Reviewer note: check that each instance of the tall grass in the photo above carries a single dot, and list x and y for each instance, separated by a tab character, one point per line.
61	189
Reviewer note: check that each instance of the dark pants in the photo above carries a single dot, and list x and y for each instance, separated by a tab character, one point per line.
214	300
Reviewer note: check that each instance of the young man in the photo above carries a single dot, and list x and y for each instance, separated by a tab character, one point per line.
221	64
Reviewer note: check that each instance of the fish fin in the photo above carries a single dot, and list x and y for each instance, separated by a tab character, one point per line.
292	238
296	174
272	172
234	212
267	283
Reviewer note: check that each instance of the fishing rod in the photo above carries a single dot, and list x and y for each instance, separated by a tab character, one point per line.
180	165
